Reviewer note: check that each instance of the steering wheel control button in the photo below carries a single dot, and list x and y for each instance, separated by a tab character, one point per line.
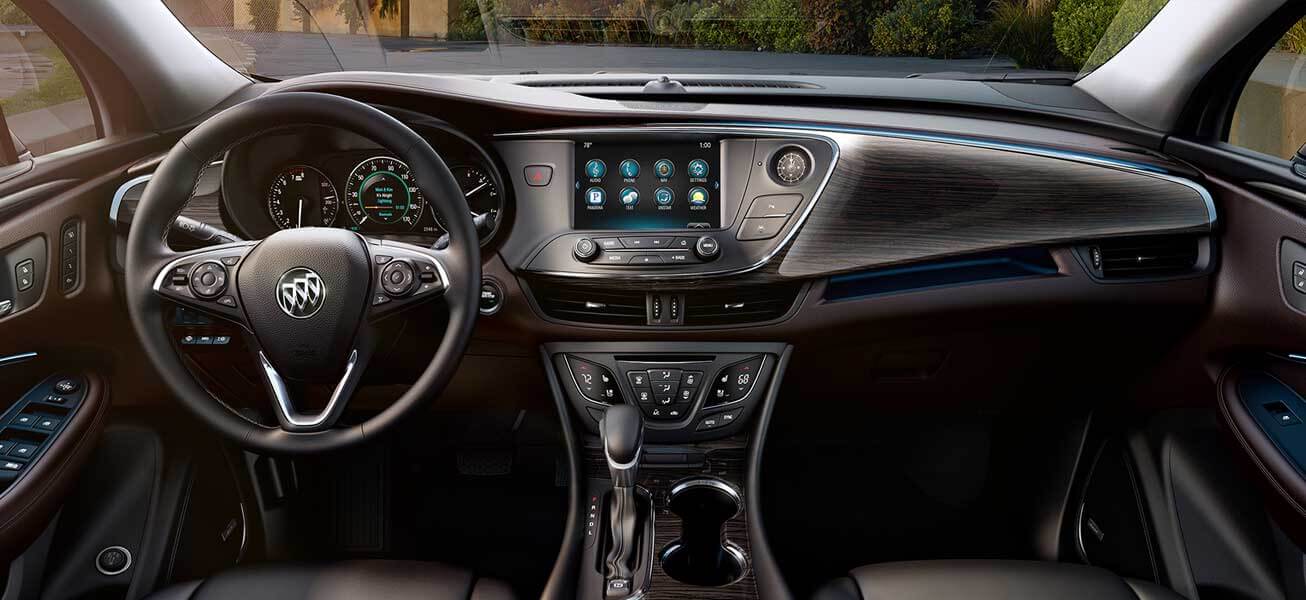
397	278
760	228
707	248
379	299
585	250
227	301
491	297
66	386
208	279
114	560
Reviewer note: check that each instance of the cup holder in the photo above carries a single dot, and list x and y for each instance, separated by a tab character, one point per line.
702	556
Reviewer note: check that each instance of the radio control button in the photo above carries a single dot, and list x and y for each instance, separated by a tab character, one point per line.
646	259
586	249
614	258
646	243
707	248
609	243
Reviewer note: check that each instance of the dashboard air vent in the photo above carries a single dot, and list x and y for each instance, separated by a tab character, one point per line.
1144	258
588	305
739	306
687	83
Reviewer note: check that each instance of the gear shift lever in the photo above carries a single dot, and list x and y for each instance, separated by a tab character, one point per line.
622	429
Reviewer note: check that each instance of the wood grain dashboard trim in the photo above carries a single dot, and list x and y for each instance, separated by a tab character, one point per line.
897	198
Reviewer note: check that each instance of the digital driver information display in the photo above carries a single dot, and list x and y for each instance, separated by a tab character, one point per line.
634	186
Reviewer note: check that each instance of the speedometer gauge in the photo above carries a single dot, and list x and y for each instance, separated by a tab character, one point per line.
301	196
382	193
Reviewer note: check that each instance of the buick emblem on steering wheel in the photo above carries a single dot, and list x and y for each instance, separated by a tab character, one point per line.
300	293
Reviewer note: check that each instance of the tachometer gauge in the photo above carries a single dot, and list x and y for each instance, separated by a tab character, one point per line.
481	195
301	196
382	193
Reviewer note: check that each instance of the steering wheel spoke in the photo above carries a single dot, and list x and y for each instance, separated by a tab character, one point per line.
404	275
289	417
205	280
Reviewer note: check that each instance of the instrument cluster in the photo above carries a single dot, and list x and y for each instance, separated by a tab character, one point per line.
328	178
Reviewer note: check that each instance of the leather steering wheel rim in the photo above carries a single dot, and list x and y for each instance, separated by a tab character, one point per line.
170	189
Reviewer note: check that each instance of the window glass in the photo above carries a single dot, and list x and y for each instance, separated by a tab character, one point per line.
1029	40
40	93
1270	116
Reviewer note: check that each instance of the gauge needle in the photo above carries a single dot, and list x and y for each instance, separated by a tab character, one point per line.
475	189
301	213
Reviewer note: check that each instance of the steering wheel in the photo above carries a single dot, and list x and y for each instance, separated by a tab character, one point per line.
307	300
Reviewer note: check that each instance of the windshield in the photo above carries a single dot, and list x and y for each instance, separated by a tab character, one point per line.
1043	40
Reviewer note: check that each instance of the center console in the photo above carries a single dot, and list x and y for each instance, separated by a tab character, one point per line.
688	527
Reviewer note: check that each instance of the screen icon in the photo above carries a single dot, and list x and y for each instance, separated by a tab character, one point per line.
595	196
664	168
663	196
629	168
698	168
629	196
698	196
595	169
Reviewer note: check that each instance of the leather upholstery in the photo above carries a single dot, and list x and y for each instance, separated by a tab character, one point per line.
391	579
988	580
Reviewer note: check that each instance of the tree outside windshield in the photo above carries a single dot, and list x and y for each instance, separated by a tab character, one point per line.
1015	39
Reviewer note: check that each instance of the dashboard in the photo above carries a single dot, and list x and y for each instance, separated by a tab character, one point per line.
656	222
318	177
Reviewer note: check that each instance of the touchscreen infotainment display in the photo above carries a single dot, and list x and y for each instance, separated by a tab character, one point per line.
655	185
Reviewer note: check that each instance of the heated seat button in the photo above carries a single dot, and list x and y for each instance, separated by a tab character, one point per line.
595	382
638	379
691	378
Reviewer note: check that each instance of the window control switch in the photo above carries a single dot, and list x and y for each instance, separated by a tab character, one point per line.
22	450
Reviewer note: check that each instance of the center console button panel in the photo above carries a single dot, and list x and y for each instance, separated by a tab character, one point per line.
683	396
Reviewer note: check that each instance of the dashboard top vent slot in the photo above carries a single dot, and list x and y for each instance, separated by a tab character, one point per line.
687	83
1144	258
740	306
588	305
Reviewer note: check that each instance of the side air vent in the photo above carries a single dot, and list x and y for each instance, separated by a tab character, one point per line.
588	305
687	83
739	306
1144	258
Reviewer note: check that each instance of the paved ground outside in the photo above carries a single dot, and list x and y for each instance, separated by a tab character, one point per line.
287	54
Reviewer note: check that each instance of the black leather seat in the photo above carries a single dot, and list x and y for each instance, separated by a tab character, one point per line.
988	580
392	579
